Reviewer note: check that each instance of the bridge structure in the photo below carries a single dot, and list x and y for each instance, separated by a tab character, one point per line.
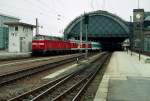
104	27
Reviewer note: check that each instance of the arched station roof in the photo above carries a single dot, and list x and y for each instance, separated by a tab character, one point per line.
101	24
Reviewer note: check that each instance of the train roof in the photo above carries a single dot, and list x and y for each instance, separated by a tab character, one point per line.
46	37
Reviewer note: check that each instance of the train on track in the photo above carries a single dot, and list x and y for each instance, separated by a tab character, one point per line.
47	45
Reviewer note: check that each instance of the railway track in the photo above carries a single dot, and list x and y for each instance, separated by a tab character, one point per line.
10	77
68	87
30	59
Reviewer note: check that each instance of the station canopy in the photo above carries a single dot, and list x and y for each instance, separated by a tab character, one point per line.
102	24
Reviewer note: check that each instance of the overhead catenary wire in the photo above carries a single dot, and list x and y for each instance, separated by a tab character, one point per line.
37	9
97	4
103	5
24	11
40	7
50	9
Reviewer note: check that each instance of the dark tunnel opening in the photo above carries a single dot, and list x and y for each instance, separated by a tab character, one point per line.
111	44
108	43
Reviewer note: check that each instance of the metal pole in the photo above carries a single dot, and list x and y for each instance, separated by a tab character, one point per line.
139	54
37	26
86	54
142	37
138	4
131	40
81	23
103	7
142	40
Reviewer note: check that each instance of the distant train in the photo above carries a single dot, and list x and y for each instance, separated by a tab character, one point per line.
45	45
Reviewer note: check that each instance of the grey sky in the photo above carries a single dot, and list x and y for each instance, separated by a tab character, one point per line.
48	11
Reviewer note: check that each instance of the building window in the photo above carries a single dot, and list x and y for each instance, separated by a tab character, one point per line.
16	28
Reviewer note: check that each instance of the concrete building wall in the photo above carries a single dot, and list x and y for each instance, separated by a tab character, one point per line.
14	43
20	41
25	38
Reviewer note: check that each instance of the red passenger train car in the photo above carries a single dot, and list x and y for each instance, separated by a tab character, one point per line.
57	46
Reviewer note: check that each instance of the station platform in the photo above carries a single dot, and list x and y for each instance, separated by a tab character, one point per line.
126	79
4	55
143	58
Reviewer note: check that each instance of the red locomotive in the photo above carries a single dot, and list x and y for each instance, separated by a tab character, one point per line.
45	44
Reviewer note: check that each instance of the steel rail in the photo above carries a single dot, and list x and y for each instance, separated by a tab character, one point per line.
78	95
84	81
6	78
32	93
40	96
45	86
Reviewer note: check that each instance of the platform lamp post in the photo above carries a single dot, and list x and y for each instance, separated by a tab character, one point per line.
142	39
139	50
86	22
81	32
37	27
131	35
138	16
138	4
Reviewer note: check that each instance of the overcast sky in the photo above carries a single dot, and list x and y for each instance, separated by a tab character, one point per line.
55	15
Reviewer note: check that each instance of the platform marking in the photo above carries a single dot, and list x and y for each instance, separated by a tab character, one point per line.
62	70
101	94
59	72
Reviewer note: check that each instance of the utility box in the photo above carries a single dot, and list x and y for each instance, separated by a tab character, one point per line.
20	37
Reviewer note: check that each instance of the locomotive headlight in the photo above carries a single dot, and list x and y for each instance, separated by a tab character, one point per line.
41	43
34	43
